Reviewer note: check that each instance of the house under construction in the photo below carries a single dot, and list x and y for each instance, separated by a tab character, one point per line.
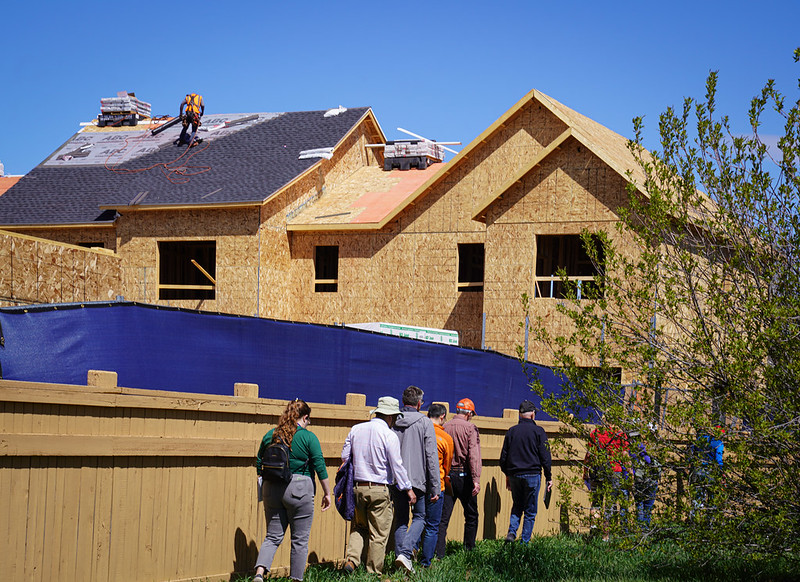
308	216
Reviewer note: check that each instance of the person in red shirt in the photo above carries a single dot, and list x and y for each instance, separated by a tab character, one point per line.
465	475
605	473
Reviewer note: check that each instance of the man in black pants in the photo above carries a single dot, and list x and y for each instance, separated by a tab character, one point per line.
524	456
465	475
195	108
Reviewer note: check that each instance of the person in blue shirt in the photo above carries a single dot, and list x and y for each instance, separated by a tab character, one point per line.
646	475
706	466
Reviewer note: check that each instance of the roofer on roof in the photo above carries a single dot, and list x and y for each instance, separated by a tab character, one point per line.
195	108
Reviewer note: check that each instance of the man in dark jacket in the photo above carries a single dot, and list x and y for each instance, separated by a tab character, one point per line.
525	453
421	459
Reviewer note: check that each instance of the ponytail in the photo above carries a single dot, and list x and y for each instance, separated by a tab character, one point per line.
287	424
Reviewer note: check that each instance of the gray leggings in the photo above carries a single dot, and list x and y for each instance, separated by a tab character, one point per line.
284	505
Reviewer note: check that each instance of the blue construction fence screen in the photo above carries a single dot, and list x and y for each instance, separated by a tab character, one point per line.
163	348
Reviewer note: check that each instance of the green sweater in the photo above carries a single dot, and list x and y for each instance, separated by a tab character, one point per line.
305	445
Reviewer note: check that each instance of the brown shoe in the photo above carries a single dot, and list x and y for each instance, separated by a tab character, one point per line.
349	567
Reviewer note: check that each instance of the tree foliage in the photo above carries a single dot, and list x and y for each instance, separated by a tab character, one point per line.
697	302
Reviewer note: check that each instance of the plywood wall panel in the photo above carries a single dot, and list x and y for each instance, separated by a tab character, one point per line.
75	236
43	271
233	230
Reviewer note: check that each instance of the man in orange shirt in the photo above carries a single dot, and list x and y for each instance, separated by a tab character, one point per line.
433	509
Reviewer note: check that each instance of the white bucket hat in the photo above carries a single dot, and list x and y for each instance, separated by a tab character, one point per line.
388	405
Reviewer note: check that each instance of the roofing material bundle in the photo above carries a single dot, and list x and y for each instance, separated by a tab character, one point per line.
125	103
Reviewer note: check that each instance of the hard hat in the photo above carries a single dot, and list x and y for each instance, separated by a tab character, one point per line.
466	404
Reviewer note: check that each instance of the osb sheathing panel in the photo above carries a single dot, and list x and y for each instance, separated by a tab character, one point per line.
71	286
287	289
278	288
75	236
42	271
570	185
509	265
25	272
510	273
351	154
409	278
5	267
448	206
233	230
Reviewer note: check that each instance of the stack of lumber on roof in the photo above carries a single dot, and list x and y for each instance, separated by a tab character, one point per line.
125	103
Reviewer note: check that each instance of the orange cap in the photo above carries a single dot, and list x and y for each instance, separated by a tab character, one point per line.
466	404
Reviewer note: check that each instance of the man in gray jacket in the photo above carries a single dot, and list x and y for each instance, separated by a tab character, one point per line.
421	460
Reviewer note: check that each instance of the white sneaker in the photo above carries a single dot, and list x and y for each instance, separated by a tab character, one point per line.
405	563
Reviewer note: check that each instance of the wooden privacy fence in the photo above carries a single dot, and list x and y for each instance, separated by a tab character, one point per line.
104	483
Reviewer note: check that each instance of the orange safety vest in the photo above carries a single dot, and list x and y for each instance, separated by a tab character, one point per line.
193	103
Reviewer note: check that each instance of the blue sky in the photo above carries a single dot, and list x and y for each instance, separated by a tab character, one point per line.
443	69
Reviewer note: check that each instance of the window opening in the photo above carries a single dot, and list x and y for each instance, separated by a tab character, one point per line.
326	269
187	269
557	252
470	267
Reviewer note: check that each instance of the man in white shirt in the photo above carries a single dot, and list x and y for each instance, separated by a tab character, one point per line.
377	463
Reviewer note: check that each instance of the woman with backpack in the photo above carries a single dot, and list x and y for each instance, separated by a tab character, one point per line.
287	459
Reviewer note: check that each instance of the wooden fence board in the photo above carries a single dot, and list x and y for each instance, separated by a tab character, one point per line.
54	501
69	519
13	506
119	538
102	524
34	522
158	539
17	501
198	538
146	509
85	520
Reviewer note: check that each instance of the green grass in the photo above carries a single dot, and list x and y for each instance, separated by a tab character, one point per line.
572	559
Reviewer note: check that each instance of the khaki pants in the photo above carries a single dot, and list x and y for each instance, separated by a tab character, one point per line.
370	526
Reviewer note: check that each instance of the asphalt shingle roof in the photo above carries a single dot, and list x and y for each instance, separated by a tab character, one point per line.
246	166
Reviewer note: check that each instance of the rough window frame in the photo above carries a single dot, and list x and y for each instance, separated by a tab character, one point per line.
567	252
471	267
326	268
187	269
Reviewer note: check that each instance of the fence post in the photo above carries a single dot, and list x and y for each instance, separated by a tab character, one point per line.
102	379
355	400
245	390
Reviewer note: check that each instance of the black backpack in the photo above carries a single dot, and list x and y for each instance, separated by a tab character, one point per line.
275	462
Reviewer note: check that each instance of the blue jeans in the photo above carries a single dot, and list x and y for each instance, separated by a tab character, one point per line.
525	497
407	536
430	535
645	500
